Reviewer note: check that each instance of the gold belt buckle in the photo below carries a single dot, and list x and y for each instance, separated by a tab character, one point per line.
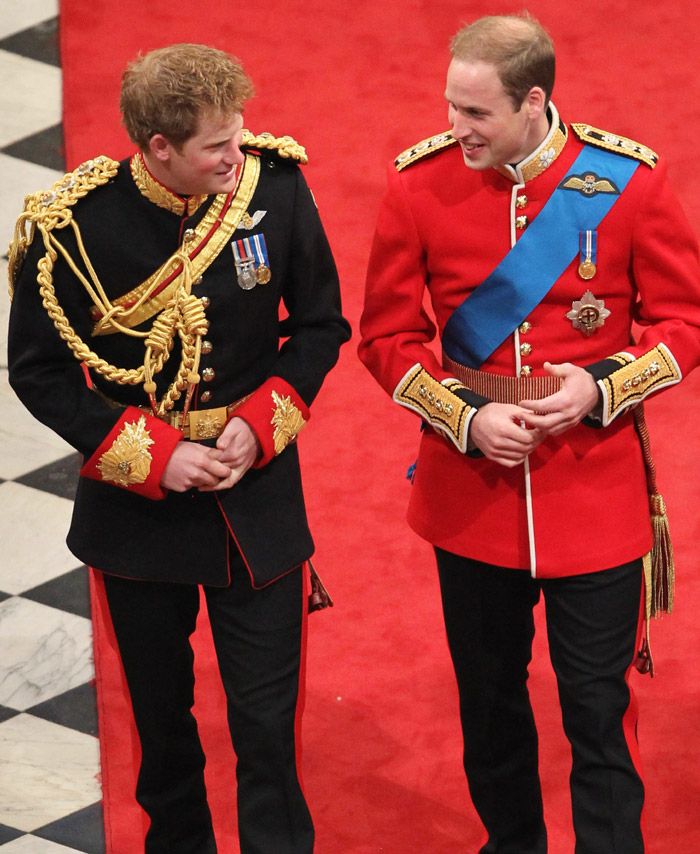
205	423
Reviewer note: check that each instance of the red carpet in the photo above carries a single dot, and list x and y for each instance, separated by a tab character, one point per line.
382	750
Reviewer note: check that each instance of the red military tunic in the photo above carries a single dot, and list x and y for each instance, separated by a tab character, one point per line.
579	503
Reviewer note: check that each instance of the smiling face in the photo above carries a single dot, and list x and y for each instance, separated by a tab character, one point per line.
204	164
484	120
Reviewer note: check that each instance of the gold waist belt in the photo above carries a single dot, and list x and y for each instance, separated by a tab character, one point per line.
502	389
200	423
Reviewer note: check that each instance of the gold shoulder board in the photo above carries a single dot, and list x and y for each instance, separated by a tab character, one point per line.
423	148
285	146
615	142
46	209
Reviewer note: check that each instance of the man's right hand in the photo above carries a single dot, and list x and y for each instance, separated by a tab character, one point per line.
192	466
497	431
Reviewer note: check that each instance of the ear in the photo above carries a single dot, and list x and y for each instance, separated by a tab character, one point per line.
160	147
535	102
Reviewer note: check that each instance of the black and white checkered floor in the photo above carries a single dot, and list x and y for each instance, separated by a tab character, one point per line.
49	753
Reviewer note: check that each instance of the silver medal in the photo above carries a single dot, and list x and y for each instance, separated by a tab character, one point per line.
246	274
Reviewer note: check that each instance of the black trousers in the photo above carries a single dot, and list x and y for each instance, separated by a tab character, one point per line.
592	623
257	637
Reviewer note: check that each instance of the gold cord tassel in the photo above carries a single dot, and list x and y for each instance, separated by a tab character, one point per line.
659	568
663	574
319	597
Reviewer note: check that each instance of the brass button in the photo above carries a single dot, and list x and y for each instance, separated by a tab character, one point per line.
525	327
205	397
206	302
525	371
521	222
198	280
520	202
525	349
188	236
208	374
207	347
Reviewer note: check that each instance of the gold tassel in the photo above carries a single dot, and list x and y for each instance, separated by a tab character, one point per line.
659	568
663	574
319	597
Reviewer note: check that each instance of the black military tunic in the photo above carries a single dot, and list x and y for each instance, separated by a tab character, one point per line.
270	344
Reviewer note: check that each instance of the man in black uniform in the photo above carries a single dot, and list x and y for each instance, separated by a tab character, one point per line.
145	330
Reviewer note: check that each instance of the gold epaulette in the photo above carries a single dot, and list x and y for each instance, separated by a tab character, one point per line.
285	146
423	149
615	142
50	209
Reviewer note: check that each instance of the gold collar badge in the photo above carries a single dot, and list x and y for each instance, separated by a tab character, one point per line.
588	313
158	194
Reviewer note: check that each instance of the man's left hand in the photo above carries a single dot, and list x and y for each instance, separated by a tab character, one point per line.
576	398
239	449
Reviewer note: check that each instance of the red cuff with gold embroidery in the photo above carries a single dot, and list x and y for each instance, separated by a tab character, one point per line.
134	454
276	414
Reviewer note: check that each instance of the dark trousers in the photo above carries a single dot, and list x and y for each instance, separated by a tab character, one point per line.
592	623
257	637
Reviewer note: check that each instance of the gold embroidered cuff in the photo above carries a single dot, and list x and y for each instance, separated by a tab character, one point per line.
437	403
636	380
128	461
287	421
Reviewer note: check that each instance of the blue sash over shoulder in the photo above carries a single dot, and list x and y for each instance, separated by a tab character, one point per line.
520	282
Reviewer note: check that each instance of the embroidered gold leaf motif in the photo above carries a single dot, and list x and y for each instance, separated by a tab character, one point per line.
287	421
128	461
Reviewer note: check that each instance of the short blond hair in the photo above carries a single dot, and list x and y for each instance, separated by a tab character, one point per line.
167	90
517	45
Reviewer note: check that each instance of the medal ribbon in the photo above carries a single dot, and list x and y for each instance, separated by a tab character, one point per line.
530	269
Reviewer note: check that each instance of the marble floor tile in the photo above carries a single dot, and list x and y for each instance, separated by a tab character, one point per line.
39	41
32	96
45	652
17	15
83	830
59	478
26	444
46	147
41	553
51	772
69	592
76	709
33	845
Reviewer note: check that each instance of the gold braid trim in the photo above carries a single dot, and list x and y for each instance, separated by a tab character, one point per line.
50	209
183	315
142	302
285	146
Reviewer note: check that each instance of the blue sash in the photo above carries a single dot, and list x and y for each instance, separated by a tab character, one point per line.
523	278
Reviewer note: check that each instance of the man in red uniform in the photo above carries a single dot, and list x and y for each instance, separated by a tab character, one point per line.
539	244
162	277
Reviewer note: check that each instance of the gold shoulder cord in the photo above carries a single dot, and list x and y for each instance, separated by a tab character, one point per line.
183	314
285	146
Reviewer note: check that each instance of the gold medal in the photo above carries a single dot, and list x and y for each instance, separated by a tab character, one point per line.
587	269
262	274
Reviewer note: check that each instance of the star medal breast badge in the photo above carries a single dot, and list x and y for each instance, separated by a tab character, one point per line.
588	314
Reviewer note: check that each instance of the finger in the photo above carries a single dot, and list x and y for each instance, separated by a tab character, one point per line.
544	404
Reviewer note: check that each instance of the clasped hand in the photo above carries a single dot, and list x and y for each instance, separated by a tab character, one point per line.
507	433
195	466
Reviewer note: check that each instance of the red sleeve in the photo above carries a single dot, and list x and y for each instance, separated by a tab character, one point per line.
395	327
276	414
134	454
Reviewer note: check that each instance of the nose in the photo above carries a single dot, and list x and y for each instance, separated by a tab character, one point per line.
461	127
233	155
